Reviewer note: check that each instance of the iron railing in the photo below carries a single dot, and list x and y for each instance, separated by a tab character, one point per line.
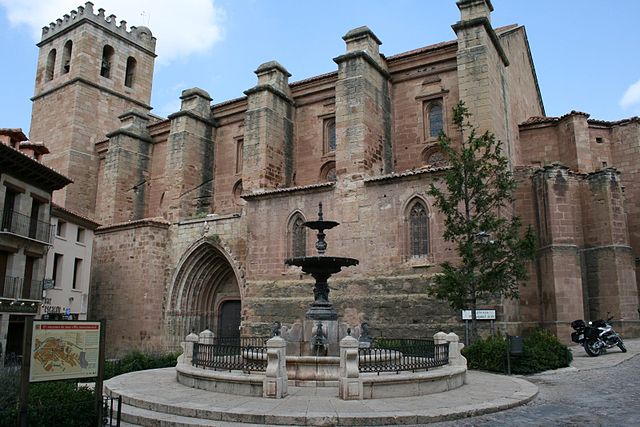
396	355
23	225
111	411
247	354
16	288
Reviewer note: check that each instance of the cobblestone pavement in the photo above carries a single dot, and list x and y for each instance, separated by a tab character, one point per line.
596	397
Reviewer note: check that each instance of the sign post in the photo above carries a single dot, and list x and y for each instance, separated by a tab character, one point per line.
480	315
98	389
24	373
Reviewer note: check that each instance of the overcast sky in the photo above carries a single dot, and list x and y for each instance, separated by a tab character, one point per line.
585	51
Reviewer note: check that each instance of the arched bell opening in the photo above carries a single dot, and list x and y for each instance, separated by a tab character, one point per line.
204	294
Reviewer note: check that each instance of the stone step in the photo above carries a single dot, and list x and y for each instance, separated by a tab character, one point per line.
138	417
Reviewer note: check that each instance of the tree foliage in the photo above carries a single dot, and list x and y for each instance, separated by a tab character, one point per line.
477	203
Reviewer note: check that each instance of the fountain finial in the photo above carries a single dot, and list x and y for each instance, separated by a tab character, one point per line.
320	211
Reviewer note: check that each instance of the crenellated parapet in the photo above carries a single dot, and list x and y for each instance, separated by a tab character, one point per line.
141	35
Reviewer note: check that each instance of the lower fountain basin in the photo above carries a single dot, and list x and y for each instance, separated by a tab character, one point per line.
321	264
311	371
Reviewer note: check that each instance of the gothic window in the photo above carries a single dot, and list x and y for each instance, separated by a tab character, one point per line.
51	63
239	154
66	56
237	193
418	230
434	119
130	72
329	135
434	157
328	172
297	237
105	64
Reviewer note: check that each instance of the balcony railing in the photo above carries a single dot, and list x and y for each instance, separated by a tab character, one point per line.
24	225
16	288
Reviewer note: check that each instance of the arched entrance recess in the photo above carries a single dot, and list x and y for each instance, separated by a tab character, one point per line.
204	294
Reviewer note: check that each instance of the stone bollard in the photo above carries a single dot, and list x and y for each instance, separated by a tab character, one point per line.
274	384
206	337
455	357
440	338
350	384
187	346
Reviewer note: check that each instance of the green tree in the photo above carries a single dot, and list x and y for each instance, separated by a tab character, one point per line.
477	203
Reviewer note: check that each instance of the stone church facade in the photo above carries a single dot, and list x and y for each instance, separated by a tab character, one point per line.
199	210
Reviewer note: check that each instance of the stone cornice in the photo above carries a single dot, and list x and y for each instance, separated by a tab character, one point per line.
273	90
192	115
92	84
146	222
364	55
461	25
131	134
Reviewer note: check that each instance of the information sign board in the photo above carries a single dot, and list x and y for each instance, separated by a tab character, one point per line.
480	315
64	350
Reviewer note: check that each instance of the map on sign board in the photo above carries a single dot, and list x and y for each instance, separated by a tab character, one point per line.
64	350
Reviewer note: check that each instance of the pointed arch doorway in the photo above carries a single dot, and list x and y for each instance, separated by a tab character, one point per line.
204	294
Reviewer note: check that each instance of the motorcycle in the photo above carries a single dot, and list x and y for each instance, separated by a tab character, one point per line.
596	336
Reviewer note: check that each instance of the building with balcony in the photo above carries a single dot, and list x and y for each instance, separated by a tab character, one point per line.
67	273
26	187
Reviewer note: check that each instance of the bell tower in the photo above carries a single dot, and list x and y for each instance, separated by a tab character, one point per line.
90	71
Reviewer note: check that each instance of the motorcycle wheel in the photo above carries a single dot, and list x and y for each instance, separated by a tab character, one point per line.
591	349
622	347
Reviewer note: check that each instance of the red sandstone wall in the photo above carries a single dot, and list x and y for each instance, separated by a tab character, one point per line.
521	85
128	285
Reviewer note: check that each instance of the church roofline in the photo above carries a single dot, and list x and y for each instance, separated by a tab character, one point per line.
145	222
537	121
276	191
414	172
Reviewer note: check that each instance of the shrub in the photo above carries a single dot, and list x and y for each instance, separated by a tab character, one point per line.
541	351
487	354
62	403
51	403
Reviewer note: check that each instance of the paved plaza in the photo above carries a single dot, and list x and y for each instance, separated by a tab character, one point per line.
593	391
599	391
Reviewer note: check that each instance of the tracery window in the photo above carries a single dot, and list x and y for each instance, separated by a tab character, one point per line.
434	119
328	172
237	193
418	222
297	237
329	135
434	157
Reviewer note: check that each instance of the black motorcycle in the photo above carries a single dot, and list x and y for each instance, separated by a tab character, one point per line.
596	336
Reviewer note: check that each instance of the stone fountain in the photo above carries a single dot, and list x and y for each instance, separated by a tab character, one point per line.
321	352
321	328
